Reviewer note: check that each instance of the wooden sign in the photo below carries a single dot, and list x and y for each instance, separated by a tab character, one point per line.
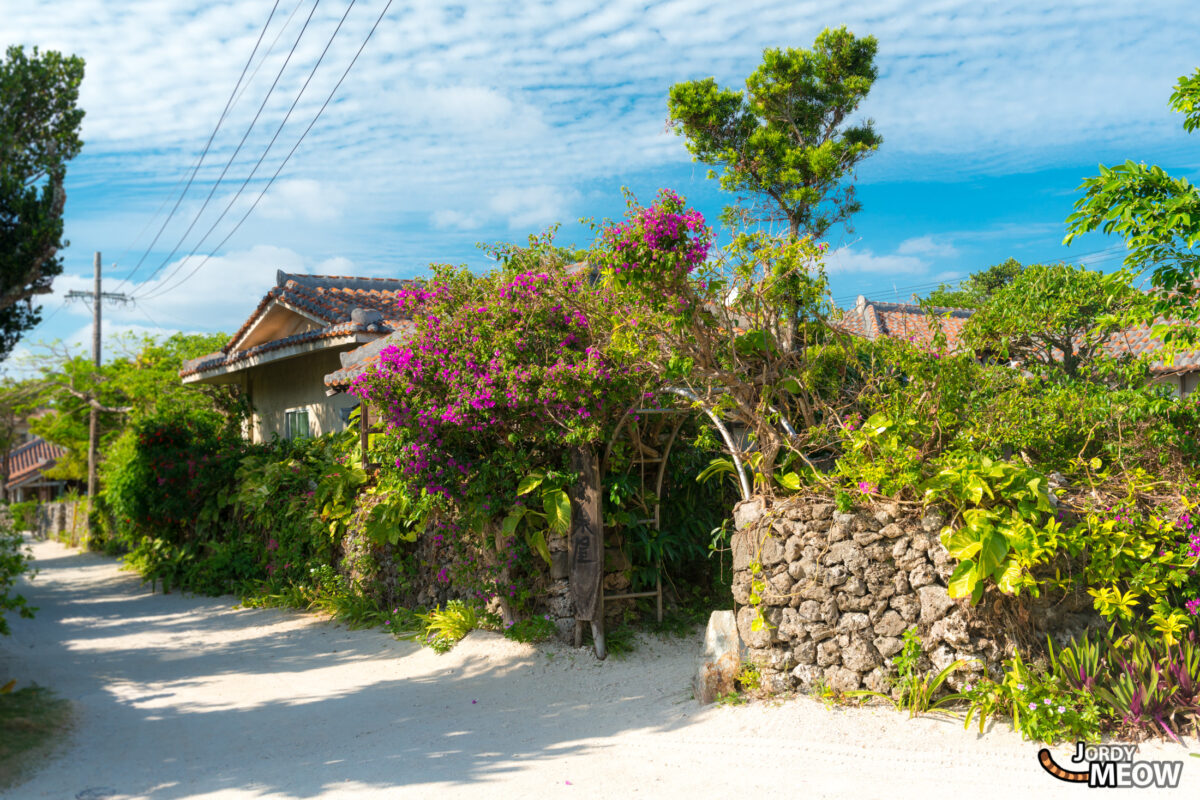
586	543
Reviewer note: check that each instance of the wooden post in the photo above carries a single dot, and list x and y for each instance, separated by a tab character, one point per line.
585	546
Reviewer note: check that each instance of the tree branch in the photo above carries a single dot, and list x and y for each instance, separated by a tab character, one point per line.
92	402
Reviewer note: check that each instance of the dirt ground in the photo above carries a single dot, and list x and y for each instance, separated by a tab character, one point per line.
188	697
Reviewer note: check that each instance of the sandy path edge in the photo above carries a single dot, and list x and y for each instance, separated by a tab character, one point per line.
182	697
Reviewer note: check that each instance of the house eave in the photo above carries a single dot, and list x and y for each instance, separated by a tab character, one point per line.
265	312
215	374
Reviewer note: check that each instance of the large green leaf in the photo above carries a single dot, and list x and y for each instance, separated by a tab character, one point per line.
964	543
993	549
509	526
537	543
963	580
980	520
558	510
790	481
530	482
1010	577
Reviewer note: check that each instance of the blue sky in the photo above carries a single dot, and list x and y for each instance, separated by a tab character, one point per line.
487	121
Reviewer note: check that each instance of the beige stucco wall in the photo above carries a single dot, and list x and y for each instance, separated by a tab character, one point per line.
296	383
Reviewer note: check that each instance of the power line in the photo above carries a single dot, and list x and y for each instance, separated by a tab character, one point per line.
284	162
279	35
278	130
53	314
200	160
146	313
237	150
228	106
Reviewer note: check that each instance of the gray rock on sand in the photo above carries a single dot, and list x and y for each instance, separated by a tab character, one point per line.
721	660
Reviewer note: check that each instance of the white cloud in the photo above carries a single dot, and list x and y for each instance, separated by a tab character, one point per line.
302	199
335	266
447	218
219	296
532	207
863	260
928	246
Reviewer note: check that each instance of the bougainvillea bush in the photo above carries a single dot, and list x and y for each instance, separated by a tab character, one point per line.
502	362
502	376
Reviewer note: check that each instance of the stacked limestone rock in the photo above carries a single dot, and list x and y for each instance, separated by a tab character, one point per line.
841	589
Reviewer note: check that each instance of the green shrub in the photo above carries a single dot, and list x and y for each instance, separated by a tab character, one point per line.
14	562
441	629
531	629
170	476
24	515
1042	706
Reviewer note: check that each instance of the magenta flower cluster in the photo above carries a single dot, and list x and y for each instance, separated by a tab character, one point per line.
513	362
659	245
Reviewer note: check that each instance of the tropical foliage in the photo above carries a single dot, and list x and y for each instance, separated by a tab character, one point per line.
39	134
14	562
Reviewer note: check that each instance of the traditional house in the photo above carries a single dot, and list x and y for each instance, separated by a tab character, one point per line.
872	319
293	339
27	465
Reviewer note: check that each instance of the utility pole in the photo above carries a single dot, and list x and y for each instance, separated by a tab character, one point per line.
97	297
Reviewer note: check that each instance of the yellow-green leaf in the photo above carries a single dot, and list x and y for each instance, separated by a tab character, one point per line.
1010	577
537	542
509	526
790	481
530	482
963	544
558	510
963	580
993	549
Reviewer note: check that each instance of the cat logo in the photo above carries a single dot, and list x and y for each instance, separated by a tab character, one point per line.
1111	766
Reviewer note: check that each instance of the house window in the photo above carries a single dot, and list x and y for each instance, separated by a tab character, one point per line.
296	426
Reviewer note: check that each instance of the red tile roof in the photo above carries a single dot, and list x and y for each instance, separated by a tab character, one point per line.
357	361
1139	341
31	458
872	319
346	305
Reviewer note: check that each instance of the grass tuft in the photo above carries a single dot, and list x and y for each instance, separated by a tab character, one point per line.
33	720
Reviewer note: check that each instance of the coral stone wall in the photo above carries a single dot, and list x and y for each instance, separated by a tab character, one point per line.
63	520
840	590
423	574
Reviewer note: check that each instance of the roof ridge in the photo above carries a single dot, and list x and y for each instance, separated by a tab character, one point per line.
337	281
891	306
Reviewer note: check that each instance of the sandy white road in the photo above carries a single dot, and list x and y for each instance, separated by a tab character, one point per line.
188	697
